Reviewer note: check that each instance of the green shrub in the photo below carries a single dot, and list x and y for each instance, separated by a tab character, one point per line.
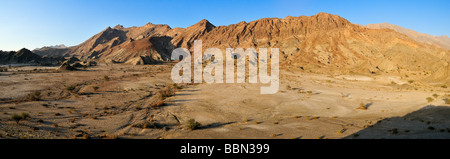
435	95
429	99
25	115
18	118
70	88
192	124
35	96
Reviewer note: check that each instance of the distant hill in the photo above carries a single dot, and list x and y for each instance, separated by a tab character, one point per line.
52	51
25	56
440	41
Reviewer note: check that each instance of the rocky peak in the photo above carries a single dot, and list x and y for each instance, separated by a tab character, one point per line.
118	27
326	19
203	24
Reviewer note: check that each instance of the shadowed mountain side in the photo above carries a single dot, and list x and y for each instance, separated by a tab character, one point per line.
430	122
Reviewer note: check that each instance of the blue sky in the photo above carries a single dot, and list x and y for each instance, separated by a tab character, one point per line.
37	23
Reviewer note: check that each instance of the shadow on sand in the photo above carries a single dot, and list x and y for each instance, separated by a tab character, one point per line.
430	122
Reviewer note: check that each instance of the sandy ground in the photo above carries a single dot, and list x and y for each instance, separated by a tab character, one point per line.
308	106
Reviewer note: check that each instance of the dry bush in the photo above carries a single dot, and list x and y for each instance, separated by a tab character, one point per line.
435	95
157	102
95	88
145	124
35	96
192	124
167	91
429	99
70	88
447	100
18	118
362	106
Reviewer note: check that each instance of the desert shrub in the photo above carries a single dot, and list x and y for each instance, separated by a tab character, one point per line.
25	115
3	69
144	124
362	106
176	86
157	103
192	124
168	91
447	100
95	88
444	86
18	118
70	88
435	95
35	96
106	78
410	81
429	99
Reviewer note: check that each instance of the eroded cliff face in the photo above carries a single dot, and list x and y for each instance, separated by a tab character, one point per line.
319	43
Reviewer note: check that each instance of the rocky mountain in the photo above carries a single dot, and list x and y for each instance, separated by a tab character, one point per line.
440	41
61	46
319	43
21	56
25	56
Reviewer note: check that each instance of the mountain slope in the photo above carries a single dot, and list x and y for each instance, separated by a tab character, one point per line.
440	41
320	43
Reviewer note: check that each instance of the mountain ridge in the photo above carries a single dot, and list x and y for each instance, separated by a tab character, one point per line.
440	41
318	43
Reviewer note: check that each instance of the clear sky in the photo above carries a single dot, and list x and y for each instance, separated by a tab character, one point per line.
37	23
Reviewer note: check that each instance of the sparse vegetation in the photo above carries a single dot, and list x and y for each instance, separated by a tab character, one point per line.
362	106
144	125
429	99
192	124
70	88
176	86
18	118
95	88
35	96
394	131
435	95
3	69
168	91
106	78
158	102
447	100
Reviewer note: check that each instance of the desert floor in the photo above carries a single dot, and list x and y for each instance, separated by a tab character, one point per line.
308	106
